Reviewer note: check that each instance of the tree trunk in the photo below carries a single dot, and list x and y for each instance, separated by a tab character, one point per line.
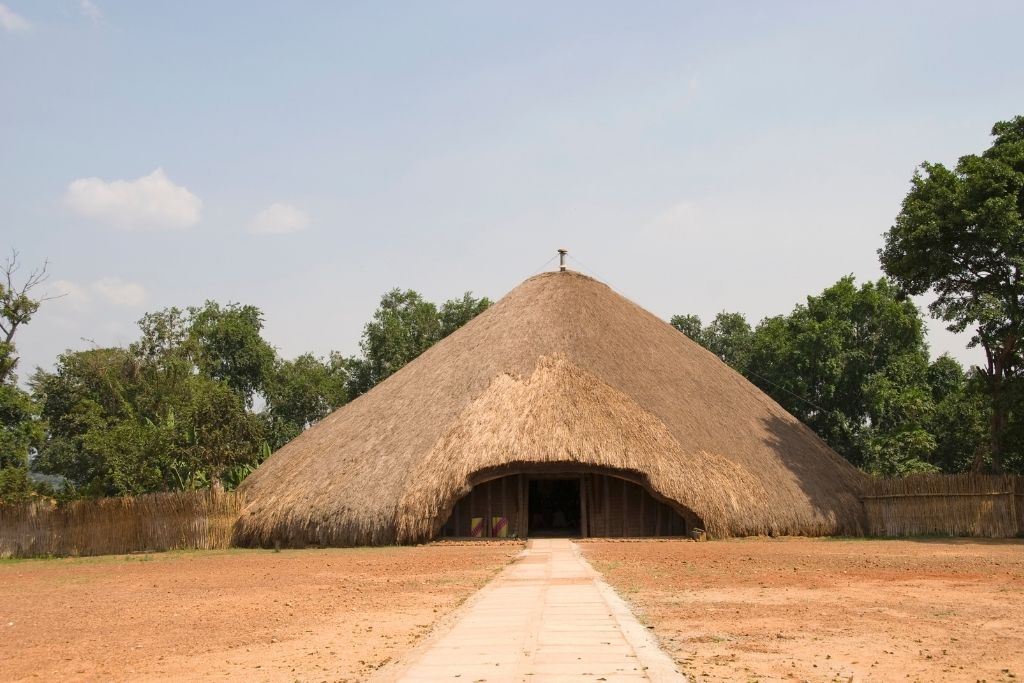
996	376
996	427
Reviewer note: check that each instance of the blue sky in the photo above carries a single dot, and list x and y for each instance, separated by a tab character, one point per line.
306	157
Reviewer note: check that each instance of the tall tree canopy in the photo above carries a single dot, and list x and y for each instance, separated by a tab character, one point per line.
201	397
170	411
729	336
229	346
21	431
404	326
301	392
960	234
18	303
124	423
852	364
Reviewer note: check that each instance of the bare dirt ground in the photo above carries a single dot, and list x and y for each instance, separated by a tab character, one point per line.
296	615
828	610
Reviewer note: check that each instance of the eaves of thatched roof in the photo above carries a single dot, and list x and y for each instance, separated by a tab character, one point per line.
561	370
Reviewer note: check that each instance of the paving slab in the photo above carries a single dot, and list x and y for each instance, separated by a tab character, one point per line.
546	617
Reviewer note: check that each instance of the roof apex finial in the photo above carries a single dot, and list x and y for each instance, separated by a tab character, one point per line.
561	258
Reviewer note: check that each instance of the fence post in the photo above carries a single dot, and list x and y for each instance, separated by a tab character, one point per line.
1014	517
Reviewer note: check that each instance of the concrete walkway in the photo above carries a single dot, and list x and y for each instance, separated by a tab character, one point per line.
547	617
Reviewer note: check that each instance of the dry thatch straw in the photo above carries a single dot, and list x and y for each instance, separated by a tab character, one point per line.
948	505
159	521
561	370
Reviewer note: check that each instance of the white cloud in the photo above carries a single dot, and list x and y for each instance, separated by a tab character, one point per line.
279	219
90	10
120	293
112	290
149	202
11	21
73	294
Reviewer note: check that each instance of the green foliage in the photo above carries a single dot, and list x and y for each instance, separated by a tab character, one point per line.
896	441
15	486
404	326
174	409
852	363
234	475
96	438
157	415
690	325
960	234
301	392
20	428
729	336
229	346
219	433
17	306
960	418
133	456
455	313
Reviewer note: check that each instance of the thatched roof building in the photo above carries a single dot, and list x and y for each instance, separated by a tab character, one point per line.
563	407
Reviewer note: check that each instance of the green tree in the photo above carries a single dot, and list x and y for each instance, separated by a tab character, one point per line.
124	457
959	420
21	431
218	434
15	486
852	364
83	400
455	313
170	411
894	437
229	346
960	234
690	325
20	428
18	304
301	392
404	326
729	336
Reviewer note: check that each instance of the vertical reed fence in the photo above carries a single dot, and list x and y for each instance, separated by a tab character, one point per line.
947	505
158	521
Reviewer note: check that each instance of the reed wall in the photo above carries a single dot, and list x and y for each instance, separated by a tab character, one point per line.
159	521
608	506
946	505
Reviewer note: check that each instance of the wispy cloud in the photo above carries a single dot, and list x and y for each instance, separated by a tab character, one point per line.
279	219
72	294
151	202
110	290
119	292
90	10
11	21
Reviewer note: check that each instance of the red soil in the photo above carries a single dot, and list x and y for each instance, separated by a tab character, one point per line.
828	610
297	615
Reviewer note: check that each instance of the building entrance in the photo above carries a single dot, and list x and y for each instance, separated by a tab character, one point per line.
554	506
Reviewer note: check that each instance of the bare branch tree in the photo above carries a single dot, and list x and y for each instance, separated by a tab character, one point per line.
17	306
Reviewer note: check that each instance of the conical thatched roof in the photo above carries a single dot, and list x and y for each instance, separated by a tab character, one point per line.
562	369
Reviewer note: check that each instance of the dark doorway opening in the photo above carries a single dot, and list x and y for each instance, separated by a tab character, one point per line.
554	507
